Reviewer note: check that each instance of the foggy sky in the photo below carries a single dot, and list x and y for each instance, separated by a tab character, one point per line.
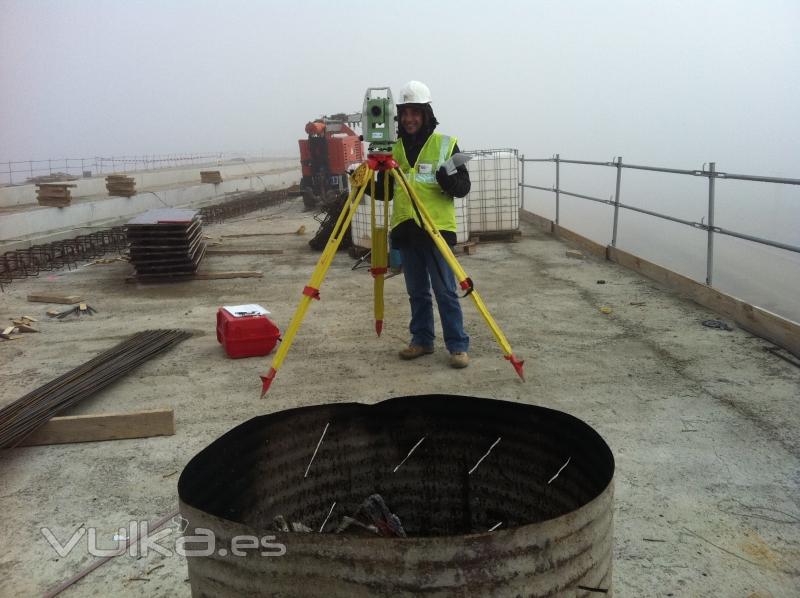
674	83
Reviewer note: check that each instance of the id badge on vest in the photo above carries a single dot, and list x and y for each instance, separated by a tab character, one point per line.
425	171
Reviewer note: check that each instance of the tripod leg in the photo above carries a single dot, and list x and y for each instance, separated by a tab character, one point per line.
463	280
380	257
311	291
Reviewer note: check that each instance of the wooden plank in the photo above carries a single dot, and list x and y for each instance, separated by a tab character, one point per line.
538	221
761	322
218	275
244	235
195	276
47	298
244	251
496	235
107	426
583	242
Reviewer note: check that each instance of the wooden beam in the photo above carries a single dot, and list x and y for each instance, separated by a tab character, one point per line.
761	322
217	275
47	298
583	242
538	221
196	276
244	251
107	426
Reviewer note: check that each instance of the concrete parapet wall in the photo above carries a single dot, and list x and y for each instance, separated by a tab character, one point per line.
39	224
26	194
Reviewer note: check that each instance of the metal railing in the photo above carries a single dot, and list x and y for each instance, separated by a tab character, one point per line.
35	171
711	174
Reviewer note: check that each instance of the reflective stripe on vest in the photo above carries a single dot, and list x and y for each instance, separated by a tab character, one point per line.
437	149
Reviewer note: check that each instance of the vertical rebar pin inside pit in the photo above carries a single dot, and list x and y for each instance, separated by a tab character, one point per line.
316	449
486	455
559	471
321	527
413	448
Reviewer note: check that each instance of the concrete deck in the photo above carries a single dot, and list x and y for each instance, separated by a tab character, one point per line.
703	423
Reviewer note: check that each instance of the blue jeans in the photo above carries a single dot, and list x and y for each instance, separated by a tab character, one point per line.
424	267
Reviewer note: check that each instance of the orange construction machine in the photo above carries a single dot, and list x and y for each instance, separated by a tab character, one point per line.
330	151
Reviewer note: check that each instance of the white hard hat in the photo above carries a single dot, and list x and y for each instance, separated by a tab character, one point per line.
414	92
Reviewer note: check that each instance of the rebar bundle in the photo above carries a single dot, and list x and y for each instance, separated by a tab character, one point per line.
21	263
241	204
24	415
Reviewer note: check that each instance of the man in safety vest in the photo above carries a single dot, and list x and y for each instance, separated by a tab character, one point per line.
420	153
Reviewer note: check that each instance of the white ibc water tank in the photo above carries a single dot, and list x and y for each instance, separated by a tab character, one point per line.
361	227
493	201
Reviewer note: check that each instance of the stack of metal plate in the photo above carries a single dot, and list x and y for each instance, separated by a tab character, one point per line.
166	243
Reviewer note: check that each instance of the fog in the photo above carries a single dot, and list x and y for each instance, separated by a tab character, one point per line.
675	84
672	83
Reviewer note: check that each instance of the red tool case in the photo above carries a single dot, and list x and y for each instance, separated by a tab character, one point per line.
246	336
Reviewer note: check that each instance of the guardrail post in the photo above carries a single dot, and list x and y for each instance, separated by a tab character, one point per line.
558	179
10	174
616	203
710	251
522	183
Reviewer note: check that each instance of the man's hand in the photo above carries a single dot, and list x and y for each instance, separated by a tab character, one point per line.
445	181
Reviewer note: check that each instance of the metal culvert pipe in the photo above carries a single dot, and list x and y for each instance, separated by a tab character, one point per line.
547	482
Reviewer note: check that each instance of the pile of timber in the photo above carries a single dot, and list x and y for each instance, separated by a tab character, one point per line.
210	176
121	185
54	194
166	243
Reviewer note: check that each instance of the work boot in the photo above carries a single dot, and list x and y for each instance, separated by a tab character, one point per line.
459	360
414	351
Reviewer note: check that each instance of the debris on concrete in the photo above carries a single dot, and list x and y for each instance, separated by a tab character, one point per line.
576	255
82	309
24	324
9	333
721	325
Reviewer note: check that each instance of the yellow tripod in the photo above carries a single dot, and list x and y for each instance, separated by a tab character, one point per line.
363	176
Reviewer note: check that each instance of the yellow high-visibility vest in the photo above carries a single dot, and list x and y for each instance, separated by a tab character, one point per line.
422	178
